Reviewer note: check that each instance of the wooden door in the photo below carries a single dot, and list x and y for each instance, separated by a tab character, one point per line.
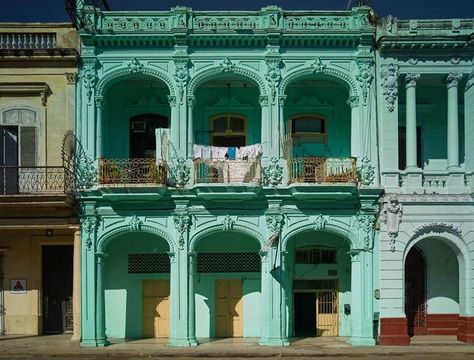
326	312
228	308
156	308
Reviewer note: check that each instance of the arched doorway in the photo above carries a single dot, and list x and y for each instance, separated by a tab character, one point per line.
415	292
227	286
319	269
137	287
433	287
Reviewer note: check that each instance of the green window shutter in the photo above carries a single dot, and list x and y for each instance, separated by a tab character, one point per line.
27	146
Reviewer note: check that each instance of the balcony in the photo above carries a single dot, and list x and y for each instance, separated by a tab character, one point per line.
131	171
321	170
227	171
35	180
28	40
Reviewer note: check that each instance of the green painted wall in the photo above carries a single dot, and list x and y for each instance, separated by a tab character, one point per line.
125	100
442	275
316	97
123	291
320	272
243	101
205	286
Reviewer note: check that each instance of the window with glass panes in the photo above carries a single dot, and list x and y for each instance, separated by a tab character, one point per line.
228	130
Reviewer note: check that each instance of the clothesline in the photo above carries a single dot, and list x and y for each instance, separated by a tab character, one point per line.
227	153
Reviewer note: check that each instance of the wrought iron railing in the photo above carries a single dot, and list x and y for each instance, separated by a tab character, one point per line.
131	171
27	40
322	170
18	180
227	171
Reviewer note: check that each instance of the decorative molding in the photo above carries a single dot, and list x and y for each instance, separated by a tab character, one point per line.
411	79
89	224
263	100
365	76
273	173
366	225
135	223
181	172
172	100
319	222
304	72
124	72
353	101
452	80
181	76
88	76
181	224
393	216
274	223
135	66
438	228
435	198
366	172
27	88
227	65
71	78
390	86
273	75
227	223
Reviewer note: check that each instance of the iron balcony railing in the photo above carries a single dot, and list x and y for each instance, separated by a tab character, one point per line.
27	40
322	170
22	180
131	171
227	171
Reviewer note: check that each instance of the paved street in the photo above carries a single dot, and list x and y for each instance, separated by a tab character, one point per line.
341	357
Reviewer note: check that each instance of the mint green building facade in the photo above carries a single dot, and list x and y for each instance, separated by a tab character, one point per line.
184	240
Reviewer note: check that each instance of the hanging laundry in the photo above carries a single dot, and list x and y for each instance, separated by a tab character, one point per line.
231	153
197	149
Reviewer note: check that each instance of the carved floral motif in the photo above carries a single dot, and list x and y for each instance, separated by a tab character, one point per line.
135	66
390	86
182	172
89	225
318	66
181	76
227	65
274	223
273	75
438	227
88	76
365	76
273	173
135	223
393	215
319	222
366	225
181	224
366	172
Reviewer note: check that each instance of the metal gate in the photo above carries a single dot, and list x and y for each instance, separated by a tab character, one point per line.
326	313
415	292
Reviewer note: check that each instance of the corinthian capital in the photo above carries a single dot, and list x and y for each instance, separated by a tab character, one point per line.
453	79
411	79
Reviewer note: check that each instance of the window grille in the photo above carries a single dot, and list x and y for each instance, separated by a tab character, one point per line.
315	255
228	262
330	284
148	263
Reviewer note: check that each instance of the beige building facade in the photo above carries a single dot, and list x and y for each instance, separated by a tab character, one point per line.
38	216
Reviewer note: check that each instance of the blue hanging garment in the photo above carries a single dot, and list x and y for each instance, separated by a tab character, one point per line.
231	152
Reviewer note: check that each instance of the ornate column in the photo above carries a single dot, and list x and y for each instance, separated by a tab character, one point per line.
175	131
273	77
453	119
76	288
70	99
273	289
411	146
265	119
356	139
99	124
281	125
101	338
191	100
182	284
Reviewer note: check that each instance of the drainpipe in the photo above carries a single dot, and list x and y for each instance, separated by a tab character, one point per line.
2	294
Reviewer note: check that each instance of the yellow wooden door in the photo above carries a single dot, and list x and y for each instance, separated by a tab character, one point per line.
156	308
228	308
327	320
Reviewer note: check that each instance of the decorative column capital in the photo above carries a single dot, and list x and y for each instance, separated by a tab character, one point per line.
191	100
99	102
452	80
172	100
100	257
411	79
282	99
71	78
353	101
263	100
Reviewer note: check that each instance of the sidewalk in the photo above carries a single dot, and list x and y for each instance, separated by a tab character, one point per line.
61	345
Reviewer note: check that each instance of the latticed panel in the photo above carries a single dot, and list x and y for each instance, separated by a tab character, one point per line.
148	263
315	255
228	262
322	170
131	171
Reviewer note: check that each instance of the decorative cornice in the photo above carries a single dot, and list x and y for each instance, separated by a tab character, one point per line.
438	228
26	88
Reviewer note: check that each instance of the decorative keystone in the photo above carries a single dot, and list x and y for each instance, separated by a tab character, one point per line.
227	223
135	66
135	223
227	65
273	173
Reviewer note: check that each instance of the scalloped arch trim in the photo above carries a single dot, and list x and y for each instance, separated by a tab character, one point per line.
345	233
329	71
211	73
123	72
218	228
125	229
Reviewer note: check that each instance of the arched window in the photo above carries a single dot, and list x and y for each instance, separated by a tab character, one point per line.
228	130
18	138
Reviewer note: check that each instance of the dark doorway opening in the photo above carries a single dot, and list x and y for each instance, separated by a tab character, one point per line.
305	313
415	292
142	134
57	288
